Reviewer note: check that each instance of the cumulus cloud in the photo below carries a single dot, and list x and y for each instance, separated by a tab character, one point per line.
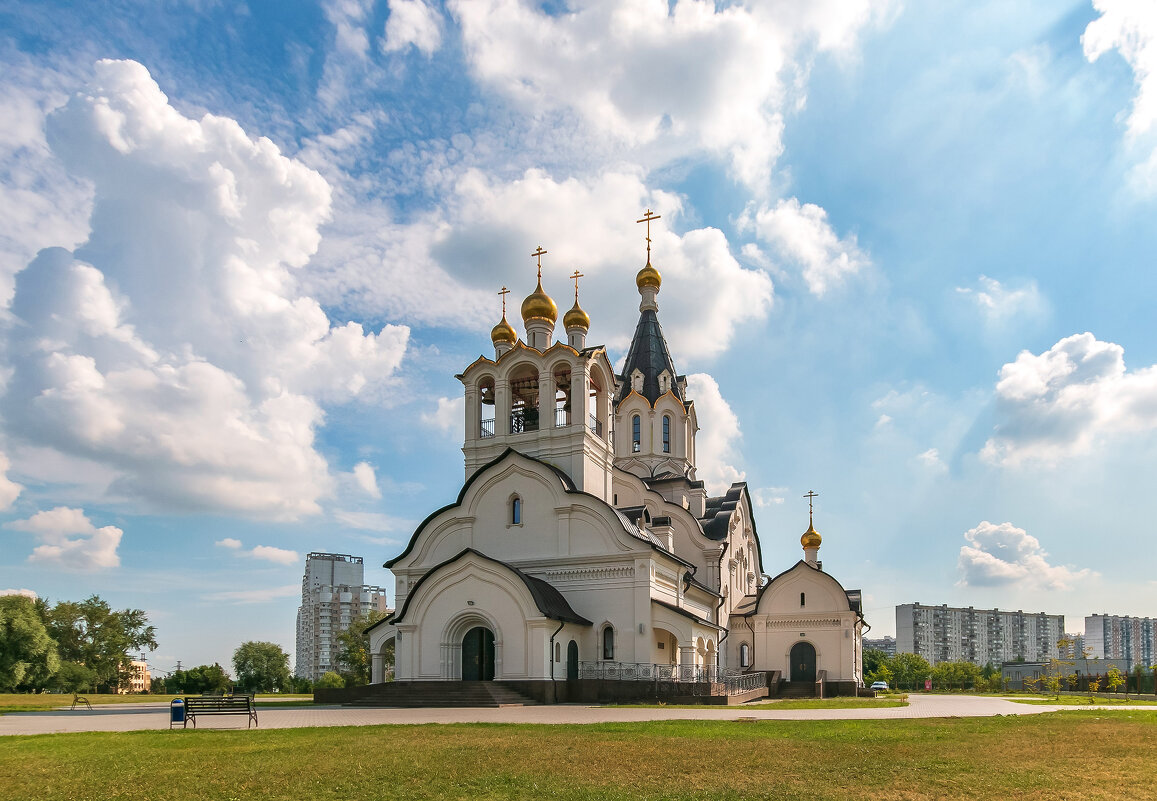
9	489
25	592
1000	305
366	479
374	521
767	497
800	234
447	415
445	268
176	346
70	540
717	442
694	75
279	556
932	461
1059	403
1001	555
412	22
229	543
1131	29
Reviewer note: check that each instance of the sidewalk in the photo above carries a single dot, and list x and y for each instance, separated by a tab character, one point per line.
141	717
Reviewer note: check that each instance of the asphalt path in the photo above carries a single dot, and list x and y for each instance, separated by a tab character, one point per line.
152	716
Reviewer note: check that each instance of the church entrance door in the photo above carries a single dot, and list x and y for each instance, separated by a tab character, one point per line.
803	662
572	661
478	655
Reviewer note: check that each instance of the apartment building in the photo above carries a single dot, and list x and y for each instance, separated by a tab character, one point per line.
958	634
1122	637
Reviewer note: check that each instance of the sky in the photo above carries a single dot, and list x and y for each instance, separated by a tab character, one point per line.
907	258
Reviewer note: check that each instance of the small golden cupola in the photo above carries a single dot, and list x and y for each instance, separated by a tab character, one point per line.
811	538
539	312
503	335
576	322
648	279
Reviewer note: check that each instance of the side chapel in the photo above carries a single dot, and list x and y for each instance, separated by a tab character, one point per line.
582	545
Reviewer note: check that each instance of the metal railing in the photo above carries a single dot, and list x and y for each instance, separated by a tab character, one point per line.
596	425
523	420
561	418
735	681
486	429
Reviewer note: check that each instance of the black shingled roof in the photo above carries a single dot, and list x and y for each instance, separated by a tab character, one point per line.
718	512
650	356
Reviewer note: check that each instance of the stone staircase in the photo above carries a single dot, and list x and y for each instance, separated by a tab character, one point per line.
415	694
796	690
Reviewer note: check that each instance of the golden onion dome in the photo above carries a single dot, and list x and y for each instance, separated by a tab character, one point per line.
811	538
503	332
576	318
538	305
648	276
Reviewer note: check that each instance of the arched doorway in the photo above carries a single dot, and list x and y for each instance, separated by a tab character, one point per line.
478	655
803	662
572	661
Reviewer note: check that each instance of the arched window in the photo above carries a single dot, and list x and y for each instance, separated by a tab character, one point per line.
801	599
744	655
558	652
636	434
666	433
609	642
516	511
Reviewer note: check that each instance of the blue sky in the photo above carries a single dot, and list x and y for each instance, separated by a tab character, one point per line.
907	254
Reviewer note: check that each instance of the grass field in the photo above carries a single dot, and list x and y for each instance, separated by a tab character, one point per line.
1062	755
39	702
1084	700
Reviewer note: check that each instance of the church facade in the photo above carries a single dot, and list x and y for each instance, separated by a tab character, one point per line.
581	542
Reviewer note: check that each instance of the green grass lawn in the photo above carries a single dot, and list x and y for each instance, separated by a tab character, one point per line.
1055	756
1084	700
40	702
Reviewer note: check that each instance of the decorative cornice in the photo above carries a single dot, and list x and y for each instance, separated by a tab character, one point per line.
587	573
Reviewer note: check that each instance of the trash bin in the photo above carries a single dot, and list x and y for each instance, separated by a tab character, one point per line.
177	712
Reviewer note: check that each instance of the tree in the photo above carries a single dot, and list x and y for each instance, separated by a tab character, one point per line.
90	633
1115	680
201	679
354	649
261	667
28	654
874	659
909	669
330	681
955	675
73	677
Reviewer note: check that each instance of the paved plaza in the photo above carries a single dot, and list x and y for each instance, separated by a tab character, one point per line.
141	717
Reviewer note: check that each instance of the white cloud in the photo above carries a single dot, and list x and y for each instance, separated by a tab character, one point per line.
25	592
257	596
373	521
716	442
689	76
999	555
9	489
1131	28
1000	305
1059	404
70	540
348	18
229	543
802	235
447	416
769	496
280	556
366	479
931	460
412	22
183	353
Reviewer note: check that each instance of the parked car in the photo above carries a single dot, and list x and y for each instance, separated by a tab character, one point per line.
880	685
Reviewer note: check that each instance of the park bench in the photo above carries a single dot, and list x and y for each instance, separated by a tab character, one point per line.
78	699
219	705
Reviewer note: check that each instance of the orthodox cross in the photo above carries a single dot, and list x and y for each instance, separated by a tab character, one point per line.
650	215
810	496
504	293
576	276
539	253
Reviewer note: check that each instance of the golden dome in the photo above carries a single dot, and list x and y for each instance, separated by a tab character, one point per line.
503	332
648	276
576	318
538	305
811	538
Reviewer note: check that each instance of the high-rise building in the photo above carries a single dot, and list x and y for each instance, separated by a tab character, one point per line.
955	634
333	595
1122	637
885	644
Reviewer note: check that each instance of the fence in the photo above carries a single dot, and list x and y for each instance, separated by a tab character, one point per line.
735	681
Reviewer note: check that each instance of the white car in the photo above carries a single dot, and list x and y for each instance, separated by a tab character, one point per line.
879	685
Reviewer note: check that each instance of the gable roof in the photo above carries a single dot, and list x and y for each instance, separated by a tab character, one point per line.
546	597
852	596
650	356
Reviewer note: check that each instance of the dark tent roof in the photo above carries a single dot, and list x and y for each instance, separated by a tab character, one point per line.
650	356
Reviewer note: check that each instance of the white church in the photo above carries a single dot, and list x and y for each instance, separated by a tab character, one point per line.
582	560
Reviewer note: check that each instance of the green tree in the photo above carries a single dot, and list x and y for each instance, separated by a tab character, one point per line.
354	650
28	654
874	659
1115	680
73	677
200	679
261	667
330	681
910	670
92	634
955	675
